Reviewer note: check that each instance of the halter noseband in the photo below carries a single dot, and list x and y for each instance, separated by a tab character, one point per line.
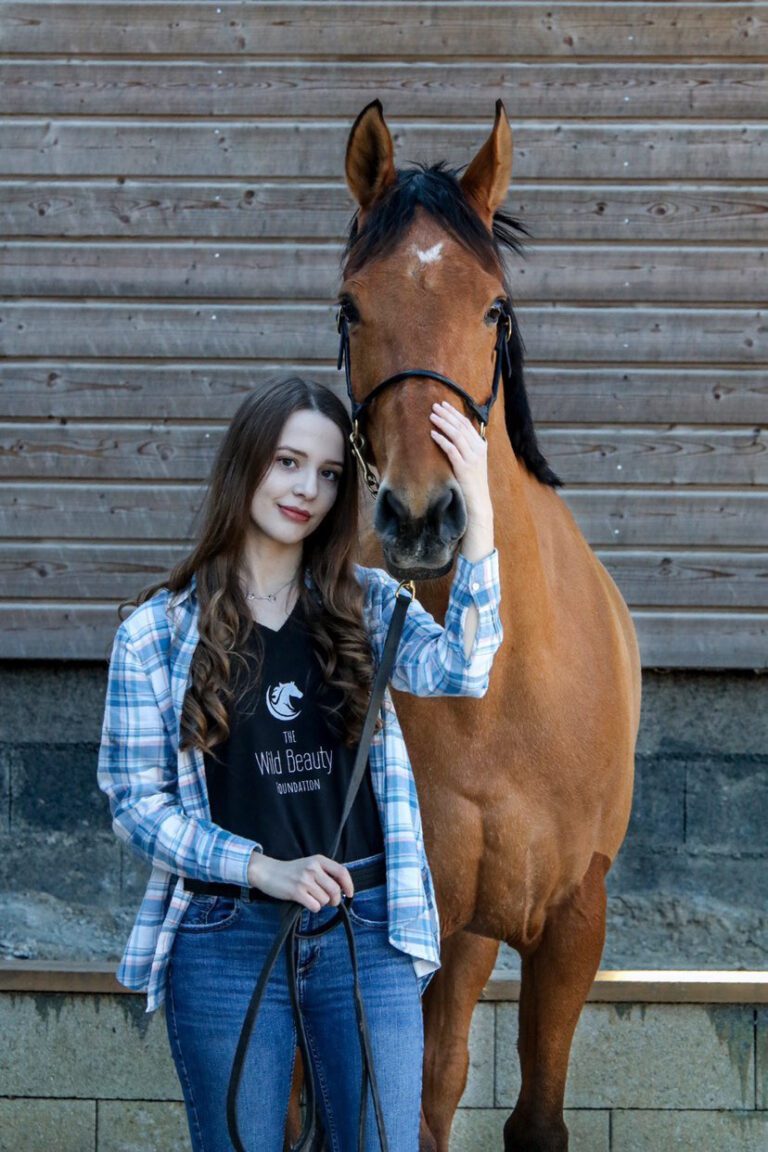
482	412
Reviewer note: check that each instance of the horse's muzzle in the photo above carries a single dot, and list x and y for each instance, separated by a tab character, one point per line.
420	547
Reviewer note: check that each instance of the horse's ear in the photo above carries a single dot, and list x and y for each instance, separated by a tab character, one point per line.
486	181
370	159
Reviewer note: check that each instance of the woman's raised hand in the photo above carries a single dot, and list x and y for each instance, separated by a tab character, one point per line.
467	453
313	881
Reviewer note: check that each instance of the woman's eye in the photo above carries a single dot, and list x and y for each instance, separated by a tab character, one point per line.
290	464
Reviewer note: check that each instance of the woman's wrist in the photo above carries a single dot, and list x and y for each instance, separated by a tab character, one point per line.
255	865
477	542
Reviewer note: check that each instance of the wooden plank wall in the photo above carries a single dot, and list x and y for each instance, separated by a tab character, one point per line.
173	204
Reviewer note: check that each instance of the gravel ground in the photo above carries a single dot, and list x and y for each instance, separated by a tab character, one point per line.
662	932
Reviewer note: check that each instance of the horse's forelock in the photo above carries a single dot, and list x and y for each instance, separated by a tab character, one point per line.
435	189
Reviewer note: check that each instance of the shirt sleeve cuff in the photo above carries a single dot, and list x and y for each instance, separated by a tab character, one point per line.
477	577
234	866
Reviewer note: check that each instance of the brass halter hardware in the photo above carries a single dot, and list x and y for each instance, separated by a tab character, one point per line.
357	440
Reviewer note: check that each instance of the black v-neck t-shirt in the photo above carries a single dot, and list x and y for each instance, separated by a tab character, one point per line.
282	775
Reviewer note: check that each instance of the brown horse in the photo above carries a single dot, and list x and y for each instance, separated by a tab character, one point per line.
525	794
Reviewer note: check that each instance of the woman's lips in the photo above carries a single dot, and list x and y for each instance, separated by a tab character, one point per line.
294	513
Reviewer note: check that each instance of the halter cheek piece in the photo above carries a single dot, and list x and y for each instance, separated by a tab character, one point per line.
481	412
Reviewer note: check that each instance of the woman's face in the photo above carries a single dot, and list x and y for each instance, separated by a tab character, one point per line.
301	485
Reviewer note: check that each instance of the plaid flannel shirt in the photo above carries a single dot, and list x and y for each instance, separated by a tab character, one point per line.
157	793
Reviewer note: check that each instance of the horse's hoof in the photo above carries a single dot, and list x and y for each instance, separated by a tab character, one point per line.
527	1135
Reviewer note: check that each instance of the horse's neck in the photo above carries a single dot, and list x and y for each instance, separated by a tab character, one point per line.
522	523
516	517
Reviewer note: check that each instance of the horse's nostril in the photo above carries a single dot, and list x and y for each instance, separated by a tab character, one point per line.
390	514
448	514
442	503
394	506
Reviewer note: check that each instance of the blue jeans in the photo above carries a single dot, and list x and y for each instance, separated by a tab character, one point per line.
218	952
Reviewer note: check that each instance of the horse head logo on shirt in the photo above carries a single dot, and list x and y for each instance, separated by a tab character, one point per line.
279	701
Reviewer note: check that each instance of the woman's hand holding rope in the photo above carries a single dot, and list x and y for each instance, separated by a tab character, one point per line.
313	881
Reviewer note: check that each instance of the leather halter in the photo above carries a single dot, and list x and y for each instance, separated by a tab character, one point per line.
481	412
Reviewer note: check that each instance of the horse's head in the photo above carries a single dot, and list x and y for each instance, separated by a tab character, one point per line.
424	289
286	692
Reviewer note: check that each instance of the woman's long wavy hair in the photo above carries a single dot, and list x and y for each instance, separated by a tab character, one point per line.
332	607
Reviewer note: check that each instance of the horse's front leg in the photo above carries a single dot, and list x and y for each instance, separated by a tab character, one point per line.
467	962
556	979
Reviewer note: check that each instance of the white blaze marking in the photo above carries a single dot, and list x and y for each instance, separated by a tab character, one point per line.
432	255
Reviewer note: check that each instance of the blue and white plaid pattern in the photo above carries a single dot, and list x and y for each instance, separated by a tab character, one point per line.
158	797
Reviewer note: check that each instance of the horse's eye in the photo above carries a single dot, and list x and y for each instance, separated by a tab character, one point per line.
348	310
493	315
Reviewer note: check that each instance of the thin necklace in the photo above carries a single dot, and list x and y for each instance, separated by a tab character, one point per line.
271	596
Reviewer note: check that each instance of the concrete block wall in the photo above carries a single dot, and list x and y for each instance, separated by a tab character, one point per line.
92	1073
687	889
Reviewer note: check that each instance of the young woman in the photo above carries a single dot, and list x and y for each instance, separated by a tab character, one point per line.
236	695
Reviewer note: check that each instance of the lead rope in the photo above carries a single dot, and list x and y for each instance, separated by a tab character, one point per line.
288	933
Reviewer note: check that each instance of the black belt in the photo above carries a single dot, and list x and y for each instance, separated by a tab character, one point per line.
364	876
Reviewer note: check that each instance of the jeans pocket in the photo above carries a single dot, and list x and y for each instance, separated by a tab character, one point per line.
369	908
209	913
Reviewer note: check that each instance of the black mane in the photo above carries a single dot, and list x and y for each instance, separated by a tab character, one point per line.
436	189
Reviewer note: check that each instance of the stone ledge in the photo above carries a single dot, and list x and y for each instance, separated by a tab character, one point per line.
659	986
60	976
656	986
